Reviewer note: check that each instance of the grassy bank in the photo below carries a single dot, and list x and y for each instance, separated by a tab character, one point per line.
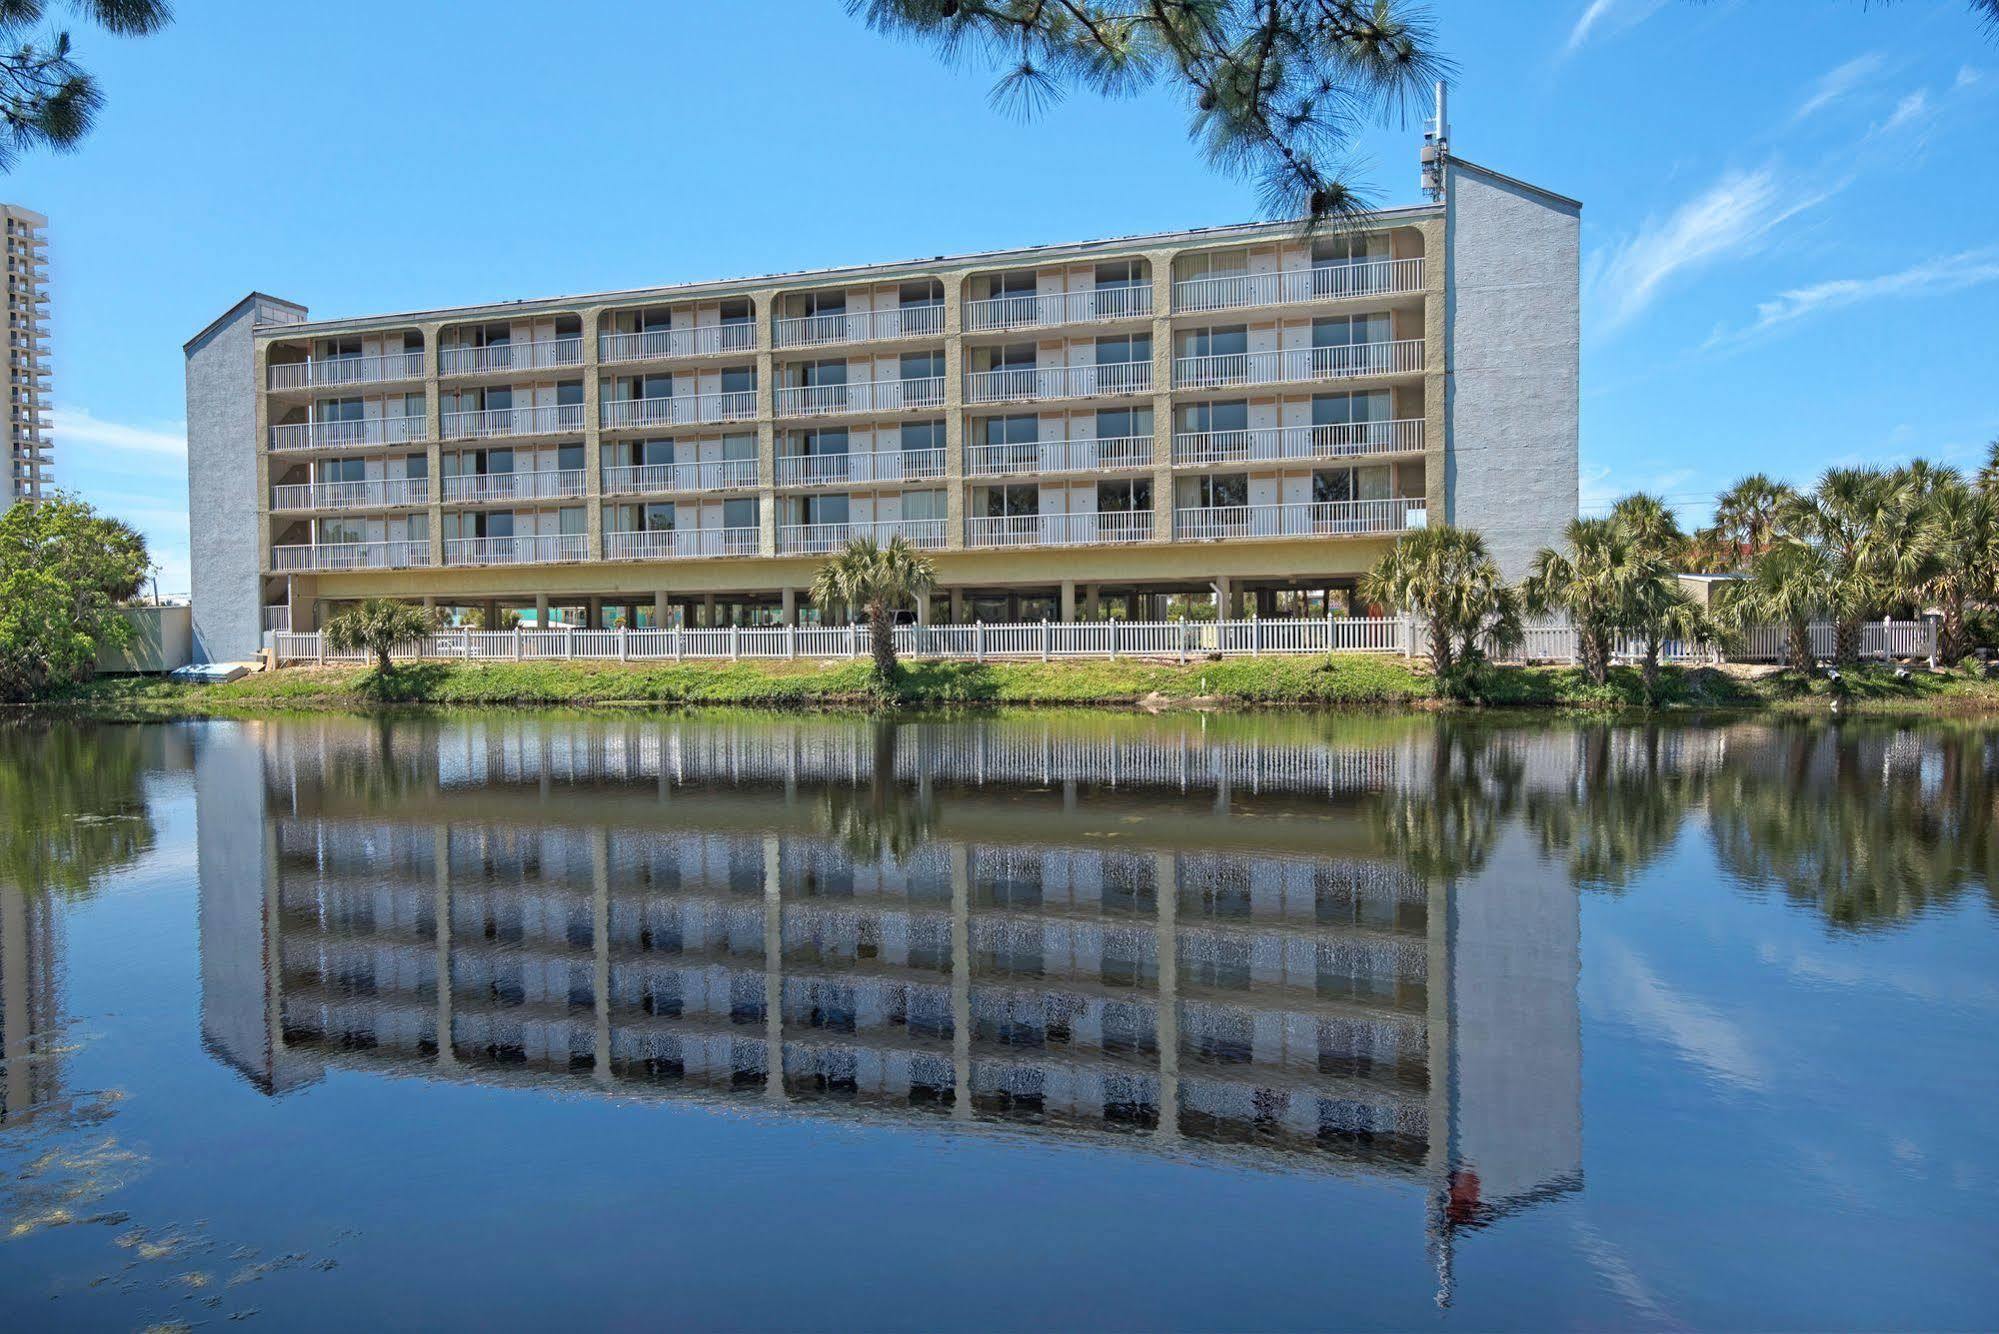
1345	681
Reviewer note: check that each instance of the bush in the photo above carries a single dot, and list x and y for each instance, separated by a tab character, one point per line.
63	572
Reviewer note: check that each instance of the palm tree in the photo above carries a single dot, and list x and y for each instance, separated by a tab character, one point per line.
1660	608
1988	476
1788	585
876	581
1745	520
1857	519
1957	540
379	626
1605	581
1446	576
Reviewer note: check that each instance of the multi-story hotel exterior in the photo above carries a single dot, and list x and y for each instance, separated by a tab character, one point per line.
27	471
1243	413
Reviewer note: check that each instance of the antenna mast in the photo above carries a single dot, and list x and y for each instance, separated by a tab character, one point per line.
1436	148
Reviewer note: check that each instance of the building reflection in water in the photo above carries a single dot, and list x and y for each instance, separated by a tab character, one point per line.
1137	934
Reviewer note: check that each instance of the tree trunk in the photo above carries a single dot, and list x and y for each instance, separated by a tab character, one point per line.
881	626
1650	670
1846	641
1595	646
382	663
1799	638
1440	648
1951	645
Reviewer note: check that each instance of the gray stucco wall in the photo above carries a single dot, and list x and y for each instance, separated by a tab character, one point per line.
225	578
1512	375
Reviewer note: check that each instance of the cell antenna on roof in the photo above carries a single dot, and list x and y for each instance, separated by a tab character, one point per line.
1436	147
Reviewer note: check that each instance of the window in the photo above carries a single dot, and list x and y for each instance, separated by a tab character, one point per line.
342	530
343	470
1014	357
1223	340
1368	483
1350	330
818	374
922	366
1221	490
923	505
1123	423
736	312
1021	282
653	386
659	320
736	448
498	460
1342	409
922	292
1124	349
569	394
569	458
1121	273
645	452
923	435
1336	250
739	513
821	443
1016	430
1409	478
1003	501
1215	264
658	518
739	380
340	410
1227	415
822	303
823	509
1124	497
416	466
413	405
1335	485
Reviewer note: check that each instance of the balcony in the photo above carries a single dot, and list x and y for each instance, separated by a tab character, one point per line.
638	414
1299	365
1031	383
339	371
817	539
681	544
1109	454
866	326
541	354
493	487
500	423
703	340
826	400
1330	518
888	465
1326	282
1059	530
402	555
374	493
652	479
543	549
1038	311
1280	444
349	434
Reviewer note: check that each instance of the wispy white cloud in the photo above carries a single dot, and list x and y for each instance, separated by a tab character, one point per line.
1701	1034
73	425
1837	83
1605	15
1728	219
1950	273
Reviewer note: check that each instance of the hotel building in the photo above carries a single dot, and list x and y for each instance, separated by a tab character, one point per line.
27	471
1240	413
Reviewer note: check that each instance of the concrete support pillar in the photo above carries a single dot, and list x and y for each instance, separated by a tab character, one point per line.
763	308
1092	603
594	618
954	410
1068	599
591	319
492	614
957	606
708	609
1161	262
540	611
1225	598
659	607
788	605
923	610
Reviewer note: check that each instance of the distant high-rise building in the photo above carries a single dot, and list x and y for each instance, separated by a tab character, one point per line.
27	459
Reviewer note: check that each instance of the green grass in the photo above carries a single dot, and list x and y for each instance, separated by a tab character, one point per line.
1347	680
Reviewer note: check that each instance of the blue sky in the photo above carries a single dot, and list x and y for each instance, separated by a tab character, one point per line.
1790	258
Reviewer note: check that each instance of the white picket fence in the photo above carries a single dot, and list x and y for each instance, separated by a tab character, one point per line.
1180	640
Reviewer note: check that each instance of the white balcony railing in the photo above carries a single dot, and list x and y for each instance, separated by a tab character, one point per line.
681	543
651	479
1059	530
703	340
865	396
1323	282
494	423
1110	454
1330	518
626	414
333	371
887	465
536	484
861	326
1028	383
1299	364
540	354
398	555
1278	444
372	493
812	539
1039	311
346	434
541	549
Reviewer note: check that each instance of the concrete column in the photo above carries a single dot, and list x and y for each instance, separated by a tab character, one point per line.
492	614
708	609
763	309
1225	598
788	605
1162	393
954	409
595	615
593	445
957	606
1092	603
923	610
1068	607
540	611
433	412
659	607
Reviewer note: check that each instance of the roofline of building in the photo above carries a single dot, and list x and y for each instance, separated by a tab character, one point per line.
883	271
1517	183
229	314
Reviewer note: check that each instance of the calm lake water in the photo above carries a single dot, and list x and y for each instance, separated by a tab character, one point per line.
1036	1021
